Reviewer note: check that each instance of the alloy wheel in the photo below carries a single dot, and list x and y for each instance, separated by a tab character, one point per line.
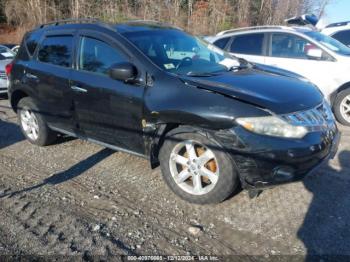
194	167
30	124
345	108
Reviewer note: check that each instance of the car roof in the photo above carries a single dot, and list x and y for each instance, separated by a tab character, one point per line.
143	25
300	29
336	27
129	26
338	24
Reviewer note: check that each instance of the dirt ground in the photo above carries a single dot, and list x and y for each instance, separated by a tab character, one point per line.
77	198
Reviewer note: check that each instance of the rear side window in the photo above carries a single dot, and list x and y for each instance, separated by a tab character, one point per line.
343	36
221	43
97	56
56	50
32	41
249	44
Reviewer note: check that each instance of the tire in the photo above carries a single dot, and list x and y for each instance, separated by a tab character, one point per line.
214	190
43	135
339	108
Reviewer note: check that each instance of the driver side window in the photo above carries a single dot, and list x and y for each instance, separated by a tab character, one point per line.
97	56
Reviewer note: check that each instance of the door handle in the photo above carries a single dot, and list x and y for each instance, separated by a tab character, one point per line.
31	76
78	89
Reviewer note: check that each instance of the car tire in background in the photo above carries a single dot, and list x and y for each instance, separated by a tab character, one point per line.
32	123
197	168
341	107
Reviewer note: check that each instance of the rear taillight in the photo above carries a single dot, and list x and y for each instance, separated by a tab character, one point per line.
8	69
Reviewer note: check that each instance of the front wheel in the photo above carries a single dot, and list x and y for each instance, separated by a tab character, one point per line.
197	168
342	107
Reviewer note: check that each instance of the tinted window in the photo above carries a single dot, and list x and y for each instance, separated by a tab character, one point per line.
221	43
290	46
97	56
56	50
250	44
32	42
343	36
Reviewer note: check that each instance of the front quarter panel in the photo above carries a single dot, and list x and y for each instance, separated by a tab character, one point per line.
170	100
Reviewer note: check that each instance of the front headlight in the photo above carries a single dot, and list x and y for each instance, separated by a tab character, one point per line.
272	126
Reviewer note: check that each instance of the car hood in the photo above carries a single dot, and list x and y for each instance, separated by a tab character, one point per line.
276	92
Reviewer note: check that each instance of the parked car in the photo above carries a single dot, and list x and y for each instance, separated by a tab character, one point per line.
213	122
13	47
339	31
319	58
6	56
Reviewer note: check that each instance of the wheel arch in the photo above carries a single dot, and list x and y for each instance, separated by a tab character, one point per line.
167	129
16	96
158	138
343	87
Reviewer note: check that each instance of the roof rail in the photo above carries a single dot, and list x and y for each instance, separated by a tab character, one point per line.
143	21
252	28
72	21
338	24
154	22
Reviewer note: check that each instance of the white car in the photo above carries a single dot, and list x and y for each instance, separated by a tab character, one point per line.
339	31
307	52
6	56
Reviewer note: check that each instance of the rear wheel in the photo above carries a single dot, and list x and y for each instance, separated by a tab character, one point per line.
197	168
32	123
342	107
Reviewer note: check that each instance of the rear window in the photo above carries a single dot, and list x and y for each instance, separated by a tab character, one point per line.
56	50
221	43
249	44
32	41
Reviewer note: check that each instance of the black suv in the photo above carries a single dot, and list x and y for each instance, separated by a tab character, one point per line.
212	121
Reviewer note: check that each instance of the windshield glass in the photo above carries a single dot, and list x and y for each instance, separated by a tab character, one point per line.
6	53
329	42
178	52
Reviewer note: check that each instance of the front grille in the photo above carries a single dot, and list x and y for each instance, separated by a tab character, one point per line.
3	75
318	118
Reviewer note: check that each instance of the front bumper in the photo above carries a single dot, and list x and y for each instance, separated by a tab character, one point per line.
264	161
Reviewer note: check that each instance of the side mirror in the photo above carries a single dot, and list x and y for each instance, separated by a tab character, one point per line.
123	71
314	53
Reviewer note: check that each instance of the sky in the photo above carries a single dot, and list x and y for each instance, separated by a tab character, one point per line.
337	11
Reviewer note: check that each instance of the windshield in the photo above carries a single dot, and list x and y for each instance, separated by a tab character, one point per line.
329	42
6	53
178	52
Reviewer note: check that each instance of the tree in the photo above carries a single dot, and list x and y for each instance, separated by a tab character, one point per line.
197	16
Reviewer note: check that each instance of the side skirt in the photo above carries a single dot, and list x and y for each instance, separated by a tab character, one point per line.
98	142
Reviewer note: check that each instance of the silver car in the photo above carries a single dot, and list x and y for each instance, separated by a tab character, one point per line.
6	56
